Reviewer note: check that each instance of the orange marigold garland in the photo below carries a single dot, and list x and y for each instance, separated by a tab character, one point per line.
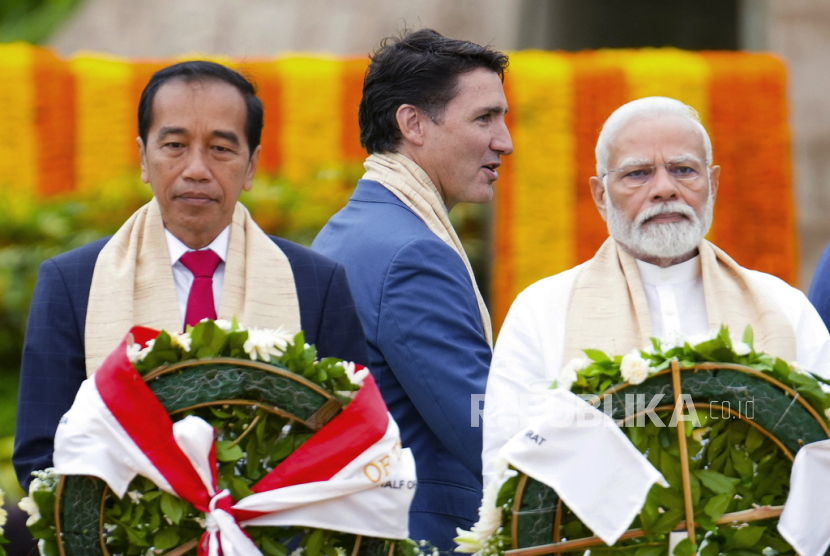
599	89
54	124
754	215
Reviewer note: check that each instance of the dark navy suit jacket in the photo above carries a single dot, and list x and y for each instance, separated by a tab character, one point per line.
427	348
53	354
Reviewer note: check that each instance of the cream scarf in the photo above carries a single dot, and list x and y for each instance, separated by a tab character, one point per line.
608	308
132	283
415	189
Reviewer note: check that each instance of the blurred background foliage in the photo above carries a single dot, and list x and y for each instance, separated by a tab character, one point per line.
32	20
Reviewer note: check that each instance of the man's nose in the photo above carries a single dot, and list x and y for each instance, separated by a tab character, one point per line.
662	185
196	165
502	142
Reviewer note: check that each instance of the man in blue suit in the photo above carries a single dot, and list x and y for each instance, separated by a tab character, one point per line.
432	118
199	132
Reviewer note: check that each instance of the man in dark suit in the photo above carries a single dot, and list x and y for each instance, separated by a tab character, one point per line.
199	131
432	120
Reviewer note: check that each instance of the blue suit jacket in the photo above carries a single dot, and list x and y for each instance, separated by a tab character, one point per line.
53	354
819	294
427	348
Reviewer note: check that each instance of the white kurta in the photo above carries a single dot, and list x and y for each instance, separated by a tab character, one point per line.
528	354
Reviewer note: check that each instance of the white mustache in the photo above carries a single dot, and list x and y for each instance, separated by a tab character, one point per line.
665	208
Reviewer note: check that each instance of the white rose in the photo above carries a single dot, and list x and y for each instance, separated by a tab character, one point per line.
741	348
827	413
634	368
568	376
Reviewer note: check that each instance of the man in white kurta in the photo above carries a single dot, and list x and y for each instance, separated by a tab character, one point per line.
656	275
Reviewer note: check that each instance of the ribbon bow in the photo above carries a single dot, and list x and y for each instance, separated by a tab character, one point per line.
117	429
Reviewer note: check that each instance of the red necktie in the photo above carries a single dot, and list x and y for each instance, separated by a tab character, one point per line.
200	301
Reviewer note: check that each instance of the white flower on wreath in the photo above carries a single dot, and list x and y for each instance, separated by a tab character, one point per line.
3	513
568	374
634	368
797	368
263	343
182	340
28	505
696	339
136	353
225	325
298	551
740	347
135	496
489	514
354	376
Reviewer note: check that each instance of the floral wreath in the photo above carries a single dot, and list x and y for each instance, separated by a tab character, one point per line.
250	443
720	491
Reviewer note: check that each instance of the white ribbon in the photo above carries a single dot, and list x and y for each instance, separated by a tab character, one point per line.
369	496
805	523
582	454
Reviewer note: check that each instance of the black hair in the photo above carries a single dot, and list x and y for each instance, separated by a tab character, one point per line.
198	70
420	68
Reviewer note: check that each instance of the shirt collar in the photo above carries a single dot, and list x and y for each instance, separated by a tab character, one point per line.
680	273
176	248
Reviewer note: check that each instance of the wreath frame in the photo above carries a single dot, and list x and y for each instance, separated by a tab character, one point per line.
521	547
92	492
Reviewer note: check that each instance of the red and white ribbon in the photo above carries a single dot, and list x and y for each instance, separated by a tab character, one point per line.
351	476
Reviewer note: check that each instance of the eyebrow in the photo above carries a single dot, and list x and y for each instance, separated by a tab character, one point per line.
170	130
493	110
173	130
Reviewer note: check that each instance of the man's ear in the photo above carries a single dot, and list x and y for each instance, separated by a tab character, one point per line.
411	123
714	177
142	159
598	193
252	166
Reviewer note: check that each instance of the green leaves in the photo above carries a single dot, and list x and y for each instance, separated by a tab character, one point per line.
717	482
172	507
225	452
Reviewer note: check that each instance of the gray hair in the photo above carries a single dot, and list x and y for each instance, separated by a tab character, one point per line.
645	108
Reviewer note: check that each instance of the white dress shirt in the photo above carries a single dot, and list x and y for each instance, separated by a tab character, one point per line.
183	278
675	299
528	354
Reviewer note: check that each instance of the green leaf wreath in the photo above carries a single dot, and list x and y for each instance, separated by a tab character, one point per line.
733	466
250	442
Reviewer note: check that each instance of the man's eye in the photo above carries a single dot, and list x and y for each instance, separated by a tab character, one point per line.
484	118
174	145
684	171
636	173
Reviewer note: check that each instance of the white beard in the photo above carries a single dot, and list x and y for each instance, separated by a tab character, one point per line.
666	240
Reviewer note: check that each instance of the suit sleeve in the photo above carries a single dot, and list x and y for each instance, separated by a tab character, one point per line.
340	332
430	333
820	288
52	370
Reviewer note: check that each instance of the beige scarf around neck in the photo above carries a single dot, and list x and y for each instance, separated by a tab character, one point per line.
132	284
411	184
608	308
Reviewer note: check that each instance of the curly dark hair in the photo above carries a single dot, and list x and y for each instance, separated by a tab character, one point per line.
420	68
197	70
